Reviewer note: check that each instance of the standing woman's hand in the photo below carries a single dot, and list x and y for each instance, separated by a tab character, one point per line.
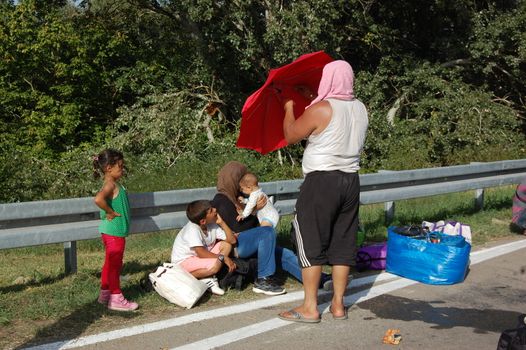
288	105
306	92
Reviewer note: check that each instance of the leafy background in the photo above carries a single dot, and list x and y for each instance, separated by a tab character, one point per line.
165	81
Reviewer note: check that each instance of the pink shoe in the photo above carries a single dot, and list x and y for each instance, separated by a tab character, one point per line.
119	303
104	296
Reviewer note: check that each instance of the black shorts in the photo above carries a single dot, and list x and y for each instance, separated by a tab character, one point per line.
326	220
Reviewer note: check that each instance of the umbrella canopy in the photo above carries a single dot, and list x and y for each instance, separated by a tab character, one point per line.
262	114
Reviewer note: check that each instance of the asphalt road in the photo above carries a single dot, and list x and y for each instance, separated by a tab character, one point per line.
468	315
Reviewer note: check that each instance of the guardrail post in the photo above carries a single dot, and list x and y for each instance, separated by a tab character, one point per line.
389	209
70	257
479	199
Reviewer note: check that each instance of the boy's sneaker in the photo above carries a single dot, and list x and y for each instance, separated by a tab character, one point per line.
267	287
213	285
328	284
104	296
119	303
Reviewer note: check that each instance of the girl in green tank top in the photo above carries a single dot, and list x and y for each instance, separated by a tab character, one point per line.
119	225
112	200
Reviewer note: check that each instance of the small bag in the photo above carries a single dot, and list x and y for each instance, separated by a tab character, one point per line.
176	285
451	228
514	339
371	257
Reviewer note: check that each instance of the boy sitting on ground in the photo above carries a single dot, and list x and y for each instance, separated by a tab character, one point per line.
204	244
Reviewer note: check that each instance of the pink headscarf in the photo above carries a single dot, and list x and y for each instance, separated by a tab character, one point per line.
337	81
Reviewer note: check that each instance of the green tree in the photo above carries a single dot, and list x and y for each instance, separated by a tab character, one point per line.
55	77
498	51
442	81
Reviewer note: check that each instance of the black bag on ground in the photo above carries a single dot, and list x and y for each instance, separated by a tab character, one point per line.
409	230
245	272
514	339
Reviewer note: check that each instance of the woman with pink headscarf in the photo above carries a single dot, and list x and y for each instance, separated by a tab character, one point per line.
326	221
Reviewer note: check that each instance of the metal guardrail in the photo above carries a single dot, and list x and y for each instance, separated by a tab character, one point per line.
70	220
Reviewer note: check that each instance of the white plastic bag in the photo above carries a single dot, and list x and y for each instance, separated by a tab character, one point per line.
451	228
176	285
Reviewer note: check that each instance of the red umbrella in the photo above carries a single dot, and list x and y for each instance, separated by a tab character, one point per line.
262	114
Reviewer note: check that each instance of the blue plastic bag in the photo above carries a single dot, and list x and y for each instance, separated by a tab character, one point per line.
421	260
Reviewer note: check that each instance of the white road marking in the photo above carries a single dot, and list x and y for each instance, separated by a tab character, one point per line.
398	283
265	326
235	335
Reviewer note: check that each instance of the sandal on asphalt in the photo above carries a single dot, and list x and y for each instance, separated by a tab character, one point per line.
343	317
298	317
327	284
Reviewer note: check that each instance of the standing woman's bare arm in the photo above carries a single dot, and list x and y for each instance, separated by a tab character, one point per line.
313	121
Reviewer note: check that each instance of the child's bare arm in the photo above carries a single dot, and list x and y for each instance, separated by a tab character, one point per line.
100	200
202	252
230	237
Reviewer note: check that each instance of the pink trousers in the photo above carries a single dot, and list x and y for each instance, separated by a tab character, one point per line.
111	270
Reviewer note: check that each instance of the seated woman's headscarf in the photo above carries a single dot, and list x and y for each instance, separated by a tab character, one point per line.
337	81
228	180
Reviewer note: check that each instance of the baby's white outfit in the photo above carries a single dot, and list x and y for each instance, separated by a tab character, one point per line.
267	213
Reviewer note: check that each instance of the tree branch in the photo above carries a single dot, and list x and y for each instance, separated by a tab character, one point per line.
457	62
391	114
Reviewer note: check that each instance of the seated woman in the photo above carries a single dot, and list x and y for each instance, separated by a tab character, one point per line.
254	239
519	208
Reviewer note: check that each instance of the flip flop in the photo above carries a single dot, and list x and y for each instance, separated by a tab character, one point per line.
327	285
298	317
344	317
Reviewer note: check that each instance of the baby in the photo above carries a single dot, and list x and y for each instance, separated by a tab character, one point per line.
268	215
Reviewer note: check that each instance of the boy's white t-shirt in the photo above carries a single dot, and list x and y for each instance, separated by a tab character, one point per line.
191	236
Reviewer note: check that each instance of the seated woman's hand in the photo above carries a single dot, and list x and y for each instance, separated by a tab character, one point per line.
239	218
262	201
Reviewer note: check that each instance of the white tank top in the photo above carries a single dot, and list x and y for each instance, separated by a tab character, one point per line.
339	145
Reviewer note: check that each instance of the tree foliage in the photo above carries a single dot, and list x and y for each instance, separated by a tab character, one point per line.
55	85
498	51
163	79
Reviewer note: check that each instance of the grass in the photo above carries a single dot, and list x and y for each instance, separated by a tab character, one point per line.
39	304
